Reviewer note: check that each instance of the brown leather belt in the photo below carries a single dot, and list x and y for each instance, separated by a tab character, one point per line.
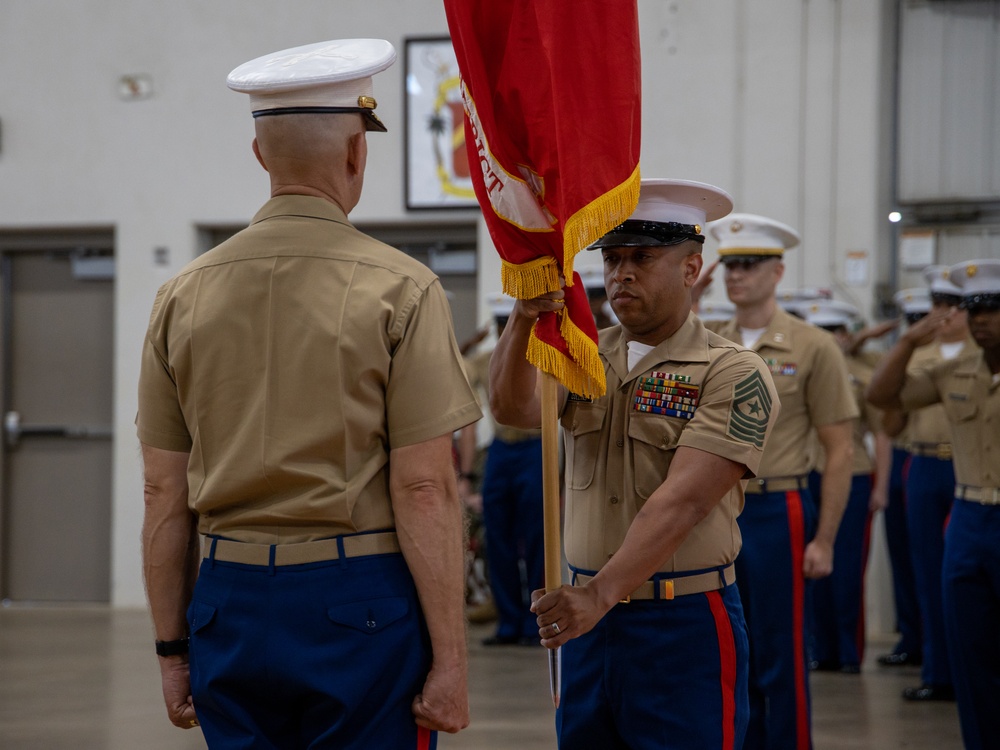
941	451
356	545
981	495
673	587
761	486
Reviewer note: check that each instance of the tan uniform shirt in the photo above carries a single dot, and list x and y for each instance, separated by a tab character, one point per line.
859	373
810	374
971	399
478	368
718	397
288	361
929	427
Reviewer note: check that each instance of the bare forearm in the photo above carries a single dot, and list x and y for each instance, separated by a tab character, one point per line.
170	553
429	524
694	486
169	540
835	488
883	461
890	376
513	380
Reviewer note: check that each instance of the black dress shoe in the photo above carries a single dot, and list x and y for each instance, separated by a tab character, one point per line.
900	659
930	693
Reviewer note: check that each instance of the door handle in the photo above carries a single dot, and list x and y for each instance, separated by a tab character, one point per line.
13	430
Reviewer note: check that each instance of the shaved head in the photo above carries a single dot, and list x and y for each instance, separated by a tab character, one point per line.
323	151
306	137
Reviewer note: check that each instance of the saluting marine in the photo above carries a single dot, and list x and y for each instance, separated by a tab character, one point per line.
968	387
930	487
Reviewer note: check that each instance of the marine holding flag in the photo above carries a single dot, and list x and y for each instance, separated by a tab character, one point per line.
655	644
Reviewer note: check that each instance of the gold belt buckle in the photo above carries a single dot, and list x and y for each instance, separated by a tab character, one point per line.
626	600
943	451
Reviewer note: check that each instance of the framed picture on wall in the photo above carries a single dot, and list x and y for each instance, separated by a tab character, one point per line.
437	165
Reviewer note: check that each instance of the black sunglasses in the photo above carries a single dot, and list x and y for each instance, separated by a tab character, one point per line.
943	298
913	317
978	303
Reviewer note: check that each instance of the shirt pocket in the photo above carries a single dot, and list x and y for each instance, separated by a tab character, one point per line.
582	421
786	386
653	439
960	406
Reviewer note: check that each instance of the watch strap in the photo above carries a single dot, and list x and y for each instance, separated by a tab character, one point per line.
173	648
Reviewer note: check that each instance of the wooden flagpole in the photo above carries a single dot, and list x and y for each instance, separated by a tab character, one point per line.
551	512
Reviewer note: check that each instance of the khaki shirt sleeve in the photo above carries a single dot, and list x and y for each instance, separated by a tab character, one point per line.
919	390
829	398
428	394
736	410
159	421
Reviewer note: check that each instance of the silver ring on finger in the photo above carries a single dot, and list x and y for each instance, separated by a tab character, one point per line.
555	628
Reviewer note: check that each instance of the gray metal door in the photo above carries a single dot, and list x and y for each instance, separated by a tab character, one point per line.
57	320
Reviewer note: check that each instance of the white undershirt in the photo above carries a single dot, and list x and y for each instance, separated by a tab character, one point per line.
637	351
951	350
751	335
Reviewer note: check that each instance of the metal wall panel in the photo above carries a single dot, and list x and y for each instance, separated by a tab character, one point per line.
949	101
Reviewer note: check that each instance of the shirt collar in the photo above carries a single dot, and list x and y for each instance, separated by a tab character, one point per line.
689	343
301	205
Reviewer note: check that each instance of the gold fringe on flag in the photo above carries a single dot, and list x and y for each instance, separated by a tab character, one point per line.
531	279
598	218
584	374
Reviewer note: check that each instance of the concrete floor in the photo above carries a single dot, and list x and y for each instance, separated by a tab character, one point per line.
86	678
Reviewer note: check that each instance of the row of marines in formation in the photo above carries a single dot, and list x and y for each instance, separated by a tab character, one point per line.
303	555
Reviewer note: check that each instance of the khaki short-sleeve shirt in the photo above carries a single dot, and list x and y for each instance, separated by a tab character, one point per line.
695	389
810	374
929	426
478	368
289	361
971	399
859	373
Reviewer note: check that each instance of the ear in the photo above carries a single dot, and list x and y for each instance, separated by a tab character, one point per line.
357	154
256	152
693	263
779	271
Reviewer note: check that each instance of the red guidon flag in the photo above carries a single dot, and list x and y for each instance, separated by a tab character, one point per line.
552	103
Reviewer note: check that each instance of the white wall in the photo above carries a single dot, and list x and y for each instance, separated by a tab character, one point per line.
780	103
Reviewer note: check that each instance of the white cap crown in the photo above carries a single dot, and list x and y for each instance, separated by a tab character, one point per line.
333	76
753	235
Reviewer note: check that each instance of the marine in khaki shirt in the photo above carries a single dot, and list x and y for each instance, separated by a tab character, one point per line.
298	391
783	542
725	402
289	411
927	430
968	388
813	383
653	471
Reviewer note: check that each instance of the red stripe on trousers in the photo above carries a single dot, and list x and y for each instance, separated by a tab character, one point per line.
727	676
423	738
796	534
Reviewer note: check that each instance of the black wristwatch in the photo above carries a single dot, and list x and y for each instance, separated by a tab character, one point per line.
172	648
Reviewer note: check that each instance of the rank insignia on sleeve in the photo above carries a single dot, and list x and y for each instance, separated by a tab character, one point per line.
750	411
667	394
